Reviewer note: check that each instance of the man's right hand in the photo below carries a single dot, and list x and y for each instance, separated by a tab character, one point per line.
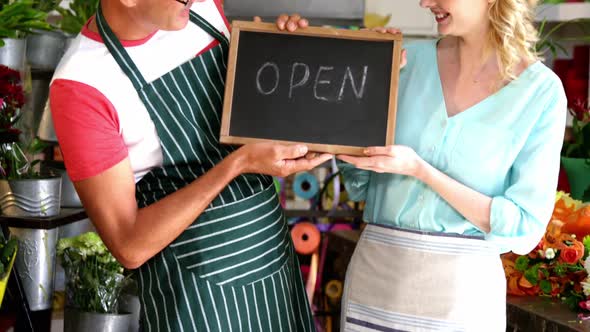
279	159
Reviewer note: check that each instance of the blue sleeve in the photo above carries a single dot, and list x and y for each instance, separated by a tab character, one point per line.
520	216
356	181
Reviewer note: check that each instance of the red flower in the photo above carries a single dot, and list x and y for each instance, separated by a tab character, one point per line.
12	96
570	255
8	74
580	110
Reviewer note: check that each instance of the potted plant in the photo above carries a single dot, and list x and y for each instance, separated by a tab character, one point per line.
45	47
548	42
23	190
78	13
17	20
94	280
575	154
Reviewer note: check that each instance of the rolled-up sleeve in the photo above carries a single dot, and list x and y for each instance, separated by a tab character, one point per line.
356	181
520	216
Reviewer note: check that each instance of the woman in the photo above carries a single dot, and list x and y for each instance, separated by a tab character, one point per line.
480	125
136	103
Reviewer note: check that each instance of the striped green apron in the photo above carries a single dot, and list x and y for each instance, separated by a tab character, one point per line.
234	268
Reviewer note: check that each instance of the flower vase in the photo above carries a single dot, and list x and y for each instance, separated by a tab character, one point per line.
75	321
578	174
13	53
45	49
31	197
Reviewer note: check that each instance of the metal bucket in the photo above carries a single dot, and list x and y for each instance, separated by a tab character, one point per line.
45	49
31	197
46	131
35	263
130	303
77	321
69	196
38	99
12	54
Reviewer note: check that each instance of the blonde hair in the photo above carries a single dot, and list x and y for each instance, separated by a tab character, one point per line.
512	34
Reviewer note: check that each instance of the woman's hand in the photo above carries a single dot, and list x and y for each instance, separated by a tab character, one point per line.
395	159
279	159
291	23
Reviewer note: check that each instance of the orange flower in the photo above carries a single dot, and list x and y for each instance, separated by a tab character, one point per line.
553	234
569	255
578	222
561	210
513	288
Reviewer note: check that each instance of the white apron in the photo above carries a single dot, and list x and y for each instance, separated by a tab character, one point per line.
401	280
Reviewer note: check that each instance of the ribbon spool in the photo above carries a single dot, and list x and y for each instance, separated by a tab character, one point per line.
334	291
341	227
306	185
306	238
278	185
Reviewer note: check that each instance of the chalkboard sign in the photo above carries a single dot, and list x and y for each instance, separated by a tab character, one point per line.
334	90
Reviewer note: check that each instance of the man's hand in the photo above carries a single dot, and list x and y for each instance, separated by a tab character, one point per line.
279	159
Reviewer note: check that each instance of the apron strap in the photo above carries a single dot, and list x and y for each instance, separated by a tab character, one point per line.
122	57
118	52
208	27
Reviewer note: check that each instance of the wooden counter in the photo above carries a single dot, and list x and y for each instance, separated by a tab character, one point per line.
539	314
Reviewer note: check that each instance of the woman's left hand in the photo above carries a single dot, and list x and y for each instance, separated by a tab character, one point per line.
397	159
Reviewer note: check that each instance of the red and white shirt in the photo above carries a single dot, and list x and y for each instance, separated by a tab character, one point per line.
98	116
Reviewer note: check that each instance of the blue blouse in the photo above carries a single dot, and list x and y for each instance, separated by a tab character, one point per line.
506	146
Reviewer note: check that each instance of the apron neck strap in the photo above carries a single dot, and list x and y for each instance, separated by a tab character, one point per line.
122	57
208	27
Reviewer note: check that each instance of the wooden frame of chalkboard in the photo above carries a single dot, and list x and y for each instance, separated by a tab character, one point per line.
385	120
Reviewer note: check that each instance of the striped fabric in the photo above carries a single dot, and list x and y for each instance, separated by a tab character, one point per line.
401	280
234	268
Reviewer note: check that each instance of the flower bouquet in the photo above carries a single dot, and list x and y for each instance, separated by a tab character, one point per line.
559	266
94	278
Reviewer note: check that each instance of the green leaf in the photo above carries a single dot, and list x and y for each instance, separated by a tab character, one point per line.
521	263
572	300
20	17
37	146
6	255
545	286
548	42
560	269
532	274
78	13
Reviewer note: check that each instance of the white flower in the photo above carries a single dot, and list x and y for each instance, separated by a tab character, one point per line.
550	253
587	264
586	286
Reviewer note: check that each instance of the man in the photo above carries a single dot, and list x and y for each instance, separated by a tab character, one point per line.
136	103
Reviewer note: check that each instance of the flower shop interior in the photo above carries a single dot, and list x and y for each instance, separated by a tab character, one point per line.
56	274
